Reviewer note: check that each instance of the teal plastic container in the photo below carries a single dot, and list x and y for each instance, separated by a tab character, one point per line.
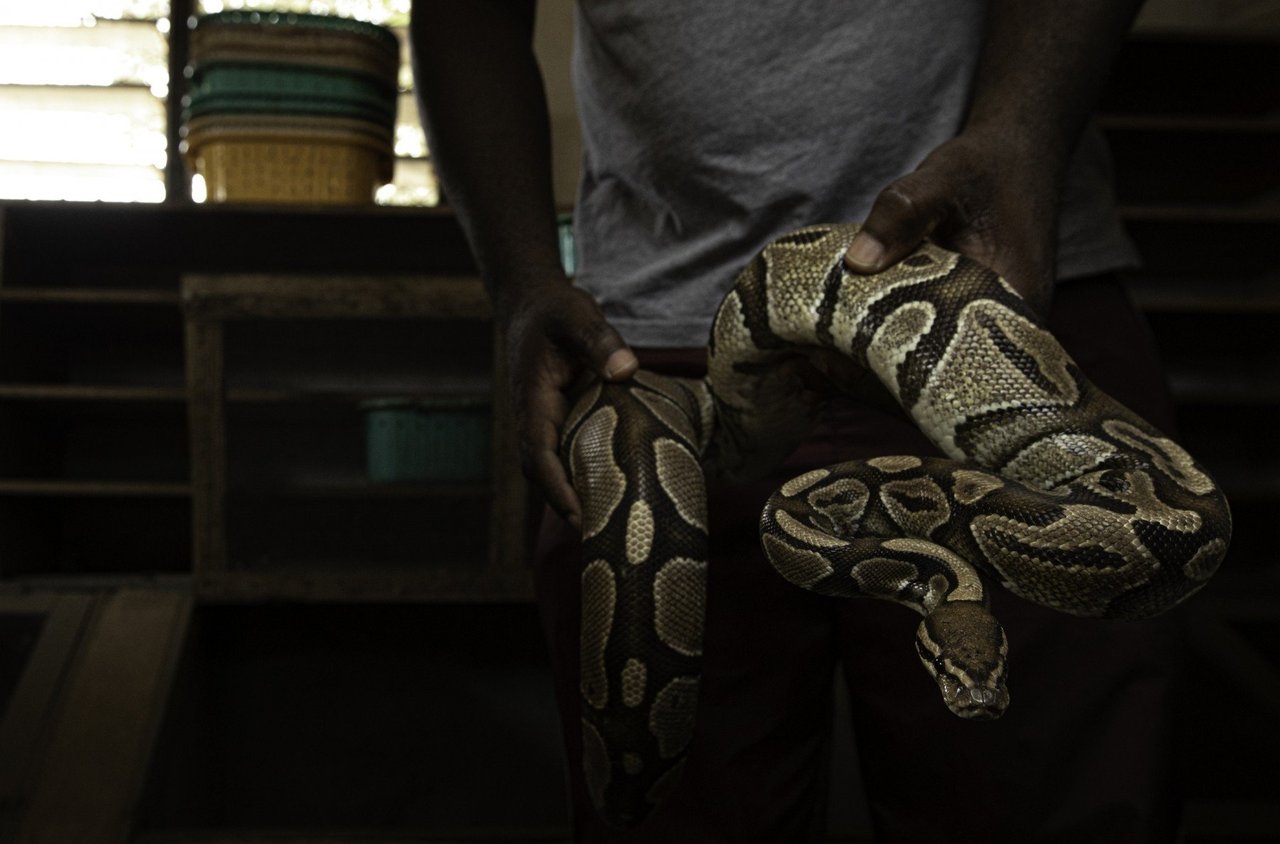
427	440
568	248
197	105
254	79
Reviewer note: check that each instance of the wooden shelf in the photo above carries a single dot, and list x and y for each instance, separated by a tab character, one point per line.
90	393
371	537
362	489
92	489
248	395
89	296
314	581
269	395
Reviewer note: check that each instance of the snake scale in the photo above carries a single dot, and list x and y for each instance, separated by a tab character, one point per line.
1050	488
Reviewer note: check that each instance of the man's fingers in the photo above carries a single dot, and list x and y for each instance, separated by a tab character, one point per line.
542	410
540	444
548	473
620	365
565	343
904	214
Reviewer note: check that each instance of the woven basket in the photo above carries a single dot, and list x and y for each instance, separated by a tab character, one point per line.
304	168
283	123
290	108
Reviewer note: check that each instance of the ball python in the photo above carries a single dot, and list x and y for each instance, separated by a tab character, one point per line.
1049	487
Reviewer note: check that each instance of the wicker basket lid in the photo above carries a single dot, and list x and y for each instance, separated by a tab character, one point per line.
350	46
287	23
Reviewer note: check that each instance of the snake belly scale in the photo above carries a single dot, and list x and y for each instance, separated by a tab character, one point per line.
1048	488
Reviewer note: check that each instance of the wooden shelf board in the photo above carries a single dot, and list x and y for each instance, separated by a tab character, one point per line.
90	392
97	582
89	295
456	583
366	489
251	395
92	489
370	836
223	296
284	395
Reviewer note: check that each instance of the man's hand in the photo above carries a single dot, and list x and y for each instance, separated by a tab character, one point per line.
556	339
980	195
991	193
495	165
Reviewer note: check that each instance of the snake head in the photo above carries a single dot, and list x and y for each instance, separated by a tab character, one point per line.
964	649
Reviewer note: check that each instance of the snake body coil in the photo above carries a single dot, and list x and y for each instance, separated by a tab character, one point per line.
1050	488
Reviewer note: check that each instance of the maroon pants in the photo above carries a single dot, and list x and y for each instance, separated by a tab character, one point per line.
1082	755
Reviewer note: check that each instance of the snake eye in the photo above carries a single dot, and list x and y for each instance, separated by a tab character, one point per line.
918	261
1114	482
932	661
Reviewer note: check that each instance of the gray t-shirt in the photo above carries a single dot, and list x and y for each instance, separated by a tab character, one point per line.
711	127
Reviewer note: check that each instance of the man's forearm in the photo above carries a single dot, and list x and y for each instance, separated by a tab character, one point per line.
1042	67
486	117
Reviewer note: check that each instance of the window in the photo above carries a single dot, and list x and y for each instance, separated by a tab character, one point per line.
85	84
82	96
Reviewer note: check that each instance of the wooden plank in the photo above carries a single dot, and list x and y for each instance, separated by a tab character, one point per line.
89	296
279	395
93	773
364	489
206	422
92	489
27	722
318	297
460	584
504	835
90	392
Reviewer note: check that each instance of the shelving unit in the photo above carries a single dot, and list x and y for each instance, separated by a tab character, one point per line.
299	511
95	474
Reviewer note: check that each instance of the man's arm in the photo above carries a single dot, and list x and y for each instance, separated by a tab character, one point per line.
486	116
992	192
